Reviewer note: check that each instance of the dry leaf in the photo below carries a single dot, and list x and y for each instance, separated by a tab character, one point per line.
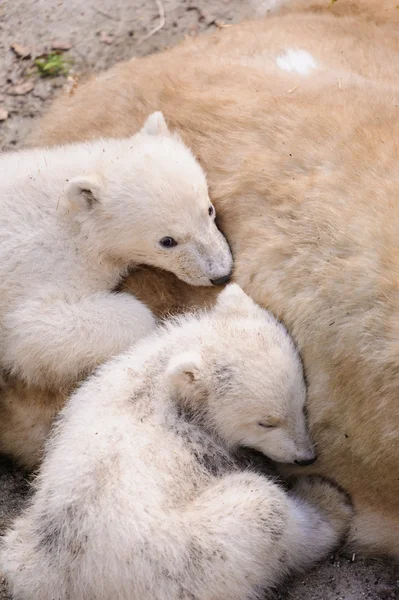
3	114
20	51
61	45
22	88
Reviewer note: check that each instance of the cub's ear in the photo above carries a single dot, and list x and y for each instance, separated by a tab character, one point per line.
84	191
185	369
155	125
234	299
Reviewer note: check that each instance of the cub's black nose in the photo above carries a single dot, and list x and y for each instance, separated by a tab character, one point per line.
305	462
221	280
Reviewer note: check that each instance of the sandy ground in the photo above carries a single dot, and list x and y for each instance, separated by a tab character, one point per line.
99	33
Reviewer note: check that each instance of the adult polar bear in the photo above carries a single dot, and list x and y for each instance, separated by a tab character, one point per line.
295	119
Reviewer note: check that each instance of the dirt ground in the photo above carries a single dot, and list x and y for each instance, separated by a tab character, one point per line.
99	33
89	37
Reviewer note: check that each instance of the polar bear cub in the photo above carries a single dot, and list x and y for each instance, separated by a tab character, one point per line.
72	221
139	496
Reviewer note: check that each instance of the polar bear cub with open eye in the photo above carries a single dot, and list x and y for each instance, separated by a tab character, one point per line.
139	496
73	219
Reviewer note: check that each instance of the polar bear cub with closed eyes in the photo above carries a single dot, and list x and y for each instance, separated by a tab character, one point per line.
73	219
140	497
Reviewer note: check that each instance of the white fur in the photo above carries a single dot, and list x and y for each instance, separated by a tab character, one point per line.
139	498
296	61
72	220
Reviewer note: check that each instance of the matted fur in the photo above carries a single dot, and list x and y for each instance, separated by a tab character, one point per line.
139	496
304	173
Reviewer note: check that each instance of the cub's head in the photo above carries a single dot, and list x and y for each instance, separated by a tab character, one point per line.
245	377
147	202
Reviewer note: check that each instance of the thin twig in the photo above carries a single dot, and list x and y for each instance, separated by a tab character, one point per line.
160	24
221	25
104	14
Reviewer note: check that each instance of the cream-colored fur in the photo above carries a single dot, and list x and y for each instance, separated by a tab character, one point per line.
72	220
304	173
139	496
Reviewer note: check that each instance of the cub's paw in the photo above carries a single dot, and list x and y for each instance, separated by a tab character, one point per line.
328	498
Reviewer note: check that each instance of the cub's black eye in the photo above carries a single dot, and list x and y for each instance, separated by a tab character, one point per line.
211	210
266	426
168	242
